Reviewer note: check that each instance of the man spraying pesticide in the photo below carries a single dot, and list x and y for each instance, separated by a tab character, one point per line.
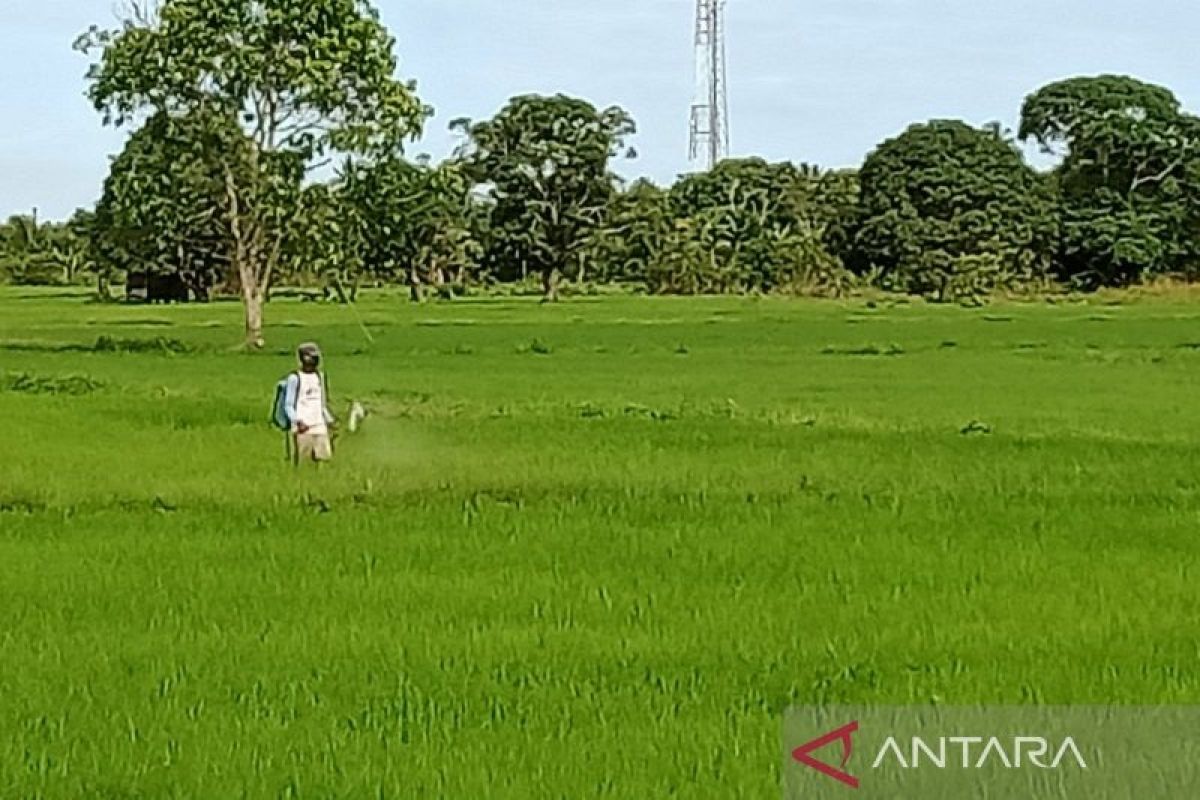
302	409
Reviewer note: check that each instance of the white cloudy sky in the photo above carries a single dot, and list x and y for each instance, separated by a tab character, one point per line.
820	81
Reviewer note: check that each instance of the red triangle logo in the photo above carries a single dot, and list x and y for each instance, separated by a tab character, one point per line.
845	735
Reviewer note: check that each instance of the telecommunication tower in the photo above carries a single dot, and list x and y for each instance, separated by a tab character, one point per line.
710	110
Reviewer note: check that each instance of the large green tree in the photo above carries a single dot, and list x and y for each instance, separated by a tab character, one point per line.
632	234
952	211
321	244
302	79
1129	177
545	162
164	208
760	227
413	221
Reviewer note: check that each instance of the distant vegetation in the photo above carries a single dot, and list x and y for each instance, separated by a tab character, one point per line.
226	182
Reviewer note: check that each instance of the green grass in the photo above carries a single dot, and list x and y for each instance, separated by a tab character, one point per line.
593	550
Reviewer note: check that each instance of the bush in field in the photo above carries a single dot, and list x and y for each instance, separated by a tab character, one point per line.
320	243
951	211
28	383
160	345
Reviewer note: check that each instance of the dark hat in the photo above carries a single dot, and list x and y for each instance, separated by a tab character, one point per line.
309	352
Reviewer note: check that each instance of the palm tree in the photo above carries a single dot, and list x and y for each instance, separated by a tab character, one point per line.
33	252
23	247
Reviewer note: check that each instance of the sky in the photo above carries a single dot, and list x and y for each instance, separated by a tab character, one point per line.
818	81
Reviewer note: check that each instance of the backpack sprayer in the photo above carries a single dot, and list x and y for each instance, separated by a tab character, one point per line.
279	411
281	415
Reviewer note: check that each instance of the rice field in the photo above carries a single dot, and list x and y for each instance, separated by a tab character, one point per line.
591	550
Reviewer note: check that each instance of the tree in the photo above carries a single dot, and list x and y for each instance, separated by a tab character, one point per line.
24	250
1066	116
632	235
70	248
545	162
164	208
300	80
414	222
762	226
832	203
951	211
449	229
320	242
33	252
92	240
1129	178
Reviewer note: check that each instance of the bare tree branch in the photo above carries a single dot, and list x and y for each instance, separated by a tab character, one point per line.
1141	181
139	13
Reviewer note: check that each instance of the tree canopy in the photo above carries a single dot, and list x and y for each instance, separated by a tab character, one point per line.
545	164
951	211
759	221
414	222
1129	180
240	109
164	208
300	80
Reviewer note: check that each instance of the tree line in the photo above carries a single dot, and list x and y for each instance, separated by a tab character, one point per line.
268	146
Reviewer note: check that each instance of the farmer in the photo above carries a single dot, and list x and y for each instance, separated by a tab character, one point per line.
308	409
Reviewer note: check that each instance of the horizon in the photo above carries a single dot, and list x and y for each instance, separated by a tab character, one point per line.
821	86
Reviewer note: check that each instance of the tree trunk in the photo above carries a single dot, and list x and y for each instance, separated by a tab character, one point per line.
440	286
252	301
339	288
414	286
254	284
254	294
550	286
